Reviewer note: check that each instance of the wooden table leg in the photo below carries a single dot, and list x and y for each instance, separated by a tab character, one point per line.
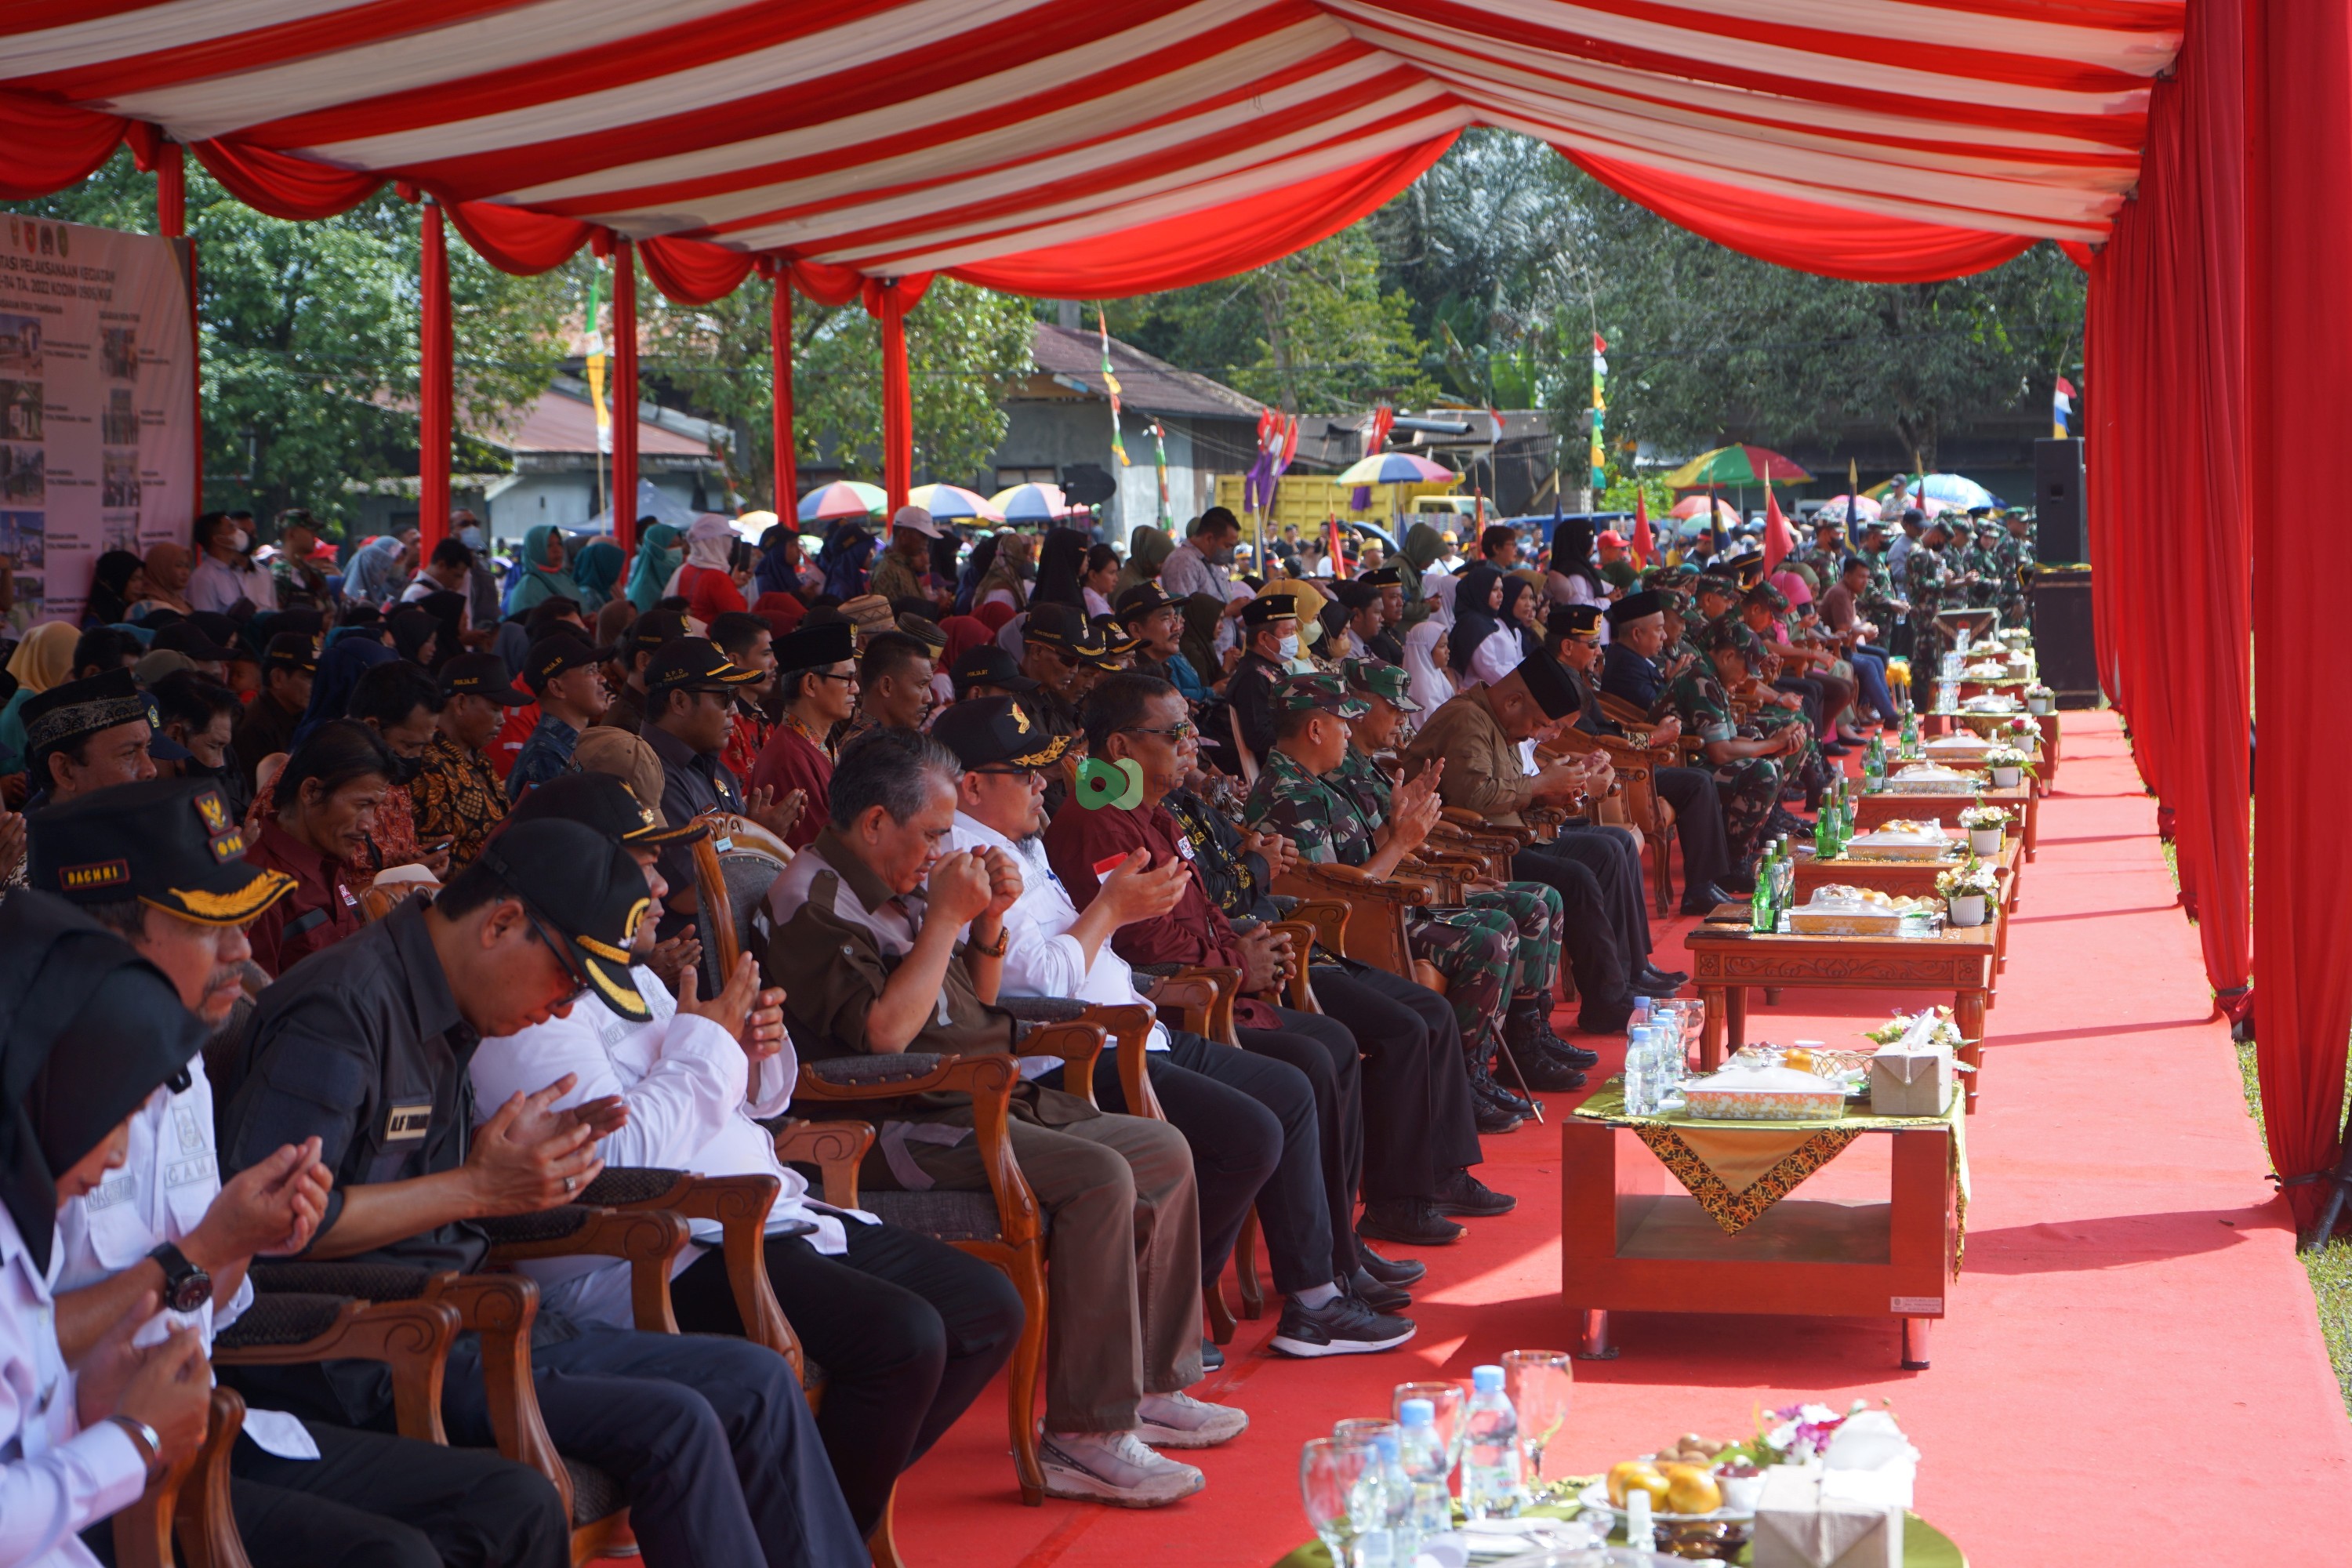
1969	1017
1592	1337
1734	1015
1712	1003
1914	1344
2033	822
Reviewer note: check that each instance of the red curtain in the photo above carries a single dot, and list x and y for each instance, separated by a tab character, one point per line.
2298	231
281	184
435	346
890	299
519	242
45	146
2171	284
694	271
625	394
779	376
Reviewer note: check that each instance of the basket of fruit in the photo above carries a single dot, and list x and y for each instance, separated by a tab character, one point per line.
1700	1492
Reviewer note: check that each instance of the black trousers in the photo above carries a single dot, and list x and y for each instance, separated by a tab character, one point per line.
1810	692
1255	1129
909	1331
1698	823
1419	1126
1614	856
372	1500
710	1439
1593	953
1321	1050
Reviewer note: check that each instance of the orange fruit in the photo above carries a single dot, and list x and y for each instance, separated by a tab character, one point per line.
1636	1475
1691	1489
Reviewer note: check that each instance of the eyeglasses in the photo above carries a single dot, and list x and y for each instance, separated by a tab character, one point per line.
556	947
1179	733
851	679
1001	772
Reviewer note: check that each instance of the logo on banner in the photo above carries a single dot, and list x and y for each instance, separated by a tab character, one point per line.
1118	785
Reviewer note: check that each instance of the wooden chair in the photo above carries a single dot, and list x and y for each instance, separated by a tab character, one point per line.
1201	1002
733	869
1645	811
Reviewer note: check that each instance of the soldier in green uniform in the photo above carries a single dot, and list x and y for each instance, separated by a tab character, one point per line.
1928	587
1826	559
1746	760
2018	562
1297	796
1880	604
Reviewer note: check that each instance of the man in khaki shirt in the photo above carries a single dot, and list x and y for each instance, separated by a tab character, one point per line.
863	938
1477	732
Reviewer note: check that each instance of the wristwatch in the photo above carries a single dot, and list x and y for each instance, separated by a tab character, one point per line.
185	1286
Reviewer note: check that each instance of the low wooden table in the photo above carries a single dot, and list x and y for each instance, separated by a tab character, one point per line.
1633	1240
1887	805
1727	958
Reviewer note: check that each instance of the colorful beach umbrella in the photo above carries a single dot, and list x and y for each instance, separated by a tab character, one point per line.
1953	490
1699	507
952	503
1833	509
752	524
842	498
1735	466
1031	503
1396	468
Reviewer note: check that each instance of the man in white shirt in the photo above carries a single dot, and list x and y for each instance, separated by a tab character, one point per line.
225	572
908	1330
1203	564
1249	1120
160	864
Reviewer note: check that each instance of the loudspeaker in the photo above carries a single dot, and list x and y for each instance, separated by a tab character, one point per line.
2059	536
2065	653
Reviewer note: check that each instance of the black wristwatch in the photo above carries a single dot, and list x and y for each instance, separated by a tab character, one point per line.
185	1286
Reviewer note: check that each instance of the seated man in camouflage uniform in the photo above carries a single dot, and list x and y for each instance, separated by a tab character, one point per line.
1301	796
1748	759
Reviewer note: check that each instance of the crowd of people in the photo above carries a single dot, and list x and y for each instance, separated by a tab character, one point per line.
352	902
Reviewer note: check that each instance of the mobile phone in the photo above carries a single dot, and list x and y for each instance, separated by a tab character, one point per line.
437	848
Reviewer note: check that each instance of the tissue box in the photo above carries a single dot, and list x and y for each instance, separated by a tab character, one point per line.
1908	1078
1797	1526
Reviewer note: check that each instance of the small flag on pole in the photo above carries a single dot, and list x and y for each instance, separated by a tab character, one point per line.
1644	546
1110	384
1778	543
1599	455
2062	409
595	332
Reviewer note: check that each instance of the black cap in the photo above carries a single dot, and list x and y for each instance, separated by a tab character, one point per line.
1355	594
1551	684
291	650
605	804
160	747
989	665
1270	607
551	655
173	844
649	631
1382	577
1056	626
1633	607
814	647
1581	621
481	675
586	894
696	664
997	731
1141	601
73	709
188	637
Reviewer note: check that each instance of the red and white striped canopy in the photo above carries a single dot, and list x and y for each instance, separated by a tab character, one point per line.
1104	147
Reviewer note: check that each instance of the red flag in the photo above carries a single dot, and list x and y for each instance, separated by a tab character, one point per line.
1339	556
1598	347
1777	540
1643	545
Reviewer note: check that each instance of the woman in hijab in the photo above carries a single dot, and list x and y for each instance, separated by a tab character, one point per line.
1477	612
780	564
1424	664
659	555
597	571
168	569
339	669
1440	589
1422	545
975	567
88	1031
417	635
116	583
847	548
44	658
1148	549
544	574
1573	579
1005	582
706	579
1061	567
373	576
964	633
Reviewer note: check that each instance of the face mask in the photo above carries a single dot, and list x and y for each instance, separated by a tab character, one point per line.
1290	647
405	769
471	538
238	538
1221	557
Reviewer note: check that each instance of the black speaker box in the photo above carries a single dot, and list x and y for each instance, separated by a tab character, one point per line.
2059	534
2065	652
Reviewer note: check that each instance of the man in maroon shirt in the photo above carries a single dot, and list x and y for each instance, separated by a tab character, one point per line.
816	666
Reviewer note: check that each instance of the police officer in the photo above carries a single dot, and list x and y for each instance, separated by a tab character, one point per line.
1270	626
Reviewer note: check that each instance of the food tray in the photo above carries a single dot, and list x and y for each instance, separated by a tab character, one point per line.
1828	1102
1900	846
1844	923
1957	781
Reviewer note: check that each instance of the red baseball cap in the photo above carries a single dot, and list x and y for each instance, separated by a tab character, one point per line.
1612	537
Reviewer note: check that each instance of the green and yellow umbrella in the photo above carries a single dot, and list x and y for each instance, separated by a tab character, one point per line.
1736	466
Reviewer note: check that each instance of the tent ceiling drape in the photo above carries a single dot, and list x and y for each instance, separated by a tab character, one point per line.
1032	142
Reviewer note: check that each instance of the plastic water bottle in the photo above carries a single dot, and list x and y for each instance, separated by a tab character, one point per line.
1377	1506
1638	1091
1490	1461
1422	1454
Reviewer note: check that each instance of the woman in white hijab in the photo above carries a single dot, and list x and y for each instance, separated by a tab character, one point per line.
1424	665
706	578
1439	590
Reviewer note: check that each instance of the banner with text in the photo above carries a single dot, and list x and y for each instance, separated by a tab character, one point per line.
98	404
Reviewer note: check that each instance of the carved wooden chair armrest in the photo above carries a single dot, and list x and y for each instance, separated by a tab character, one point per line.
1479	827
1128	1025
190	1499
1326	916
1202	1002
739	1205
649	1240
1297	991
988	1079
834	1148
1623	711
304	1313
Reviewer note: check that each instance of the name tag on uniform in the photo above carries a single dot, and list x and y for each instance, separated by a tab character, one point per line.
184	1172
113	1189
407	1123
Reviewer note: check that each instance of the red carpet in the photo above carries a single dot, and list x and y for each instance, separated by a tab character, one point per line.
2130	1375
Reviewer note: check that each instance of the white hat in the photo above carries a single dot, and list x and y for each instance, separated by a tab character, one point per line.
915	519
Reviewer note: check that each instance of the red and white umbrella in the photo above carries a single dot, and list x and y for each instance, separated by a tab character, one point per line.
841	499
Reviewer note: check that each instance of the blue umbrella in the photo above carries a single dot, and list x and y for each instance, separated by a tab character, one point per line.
1957	491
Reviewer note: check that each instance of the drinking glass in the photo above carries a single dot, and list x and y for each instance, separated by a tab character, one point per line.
1327	1471
1540	1385
1362	1431
1447	1401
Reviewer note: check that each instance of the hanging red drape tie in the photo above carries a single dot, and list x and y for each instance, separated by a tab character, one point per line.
435	345
779	376
889	299
625	394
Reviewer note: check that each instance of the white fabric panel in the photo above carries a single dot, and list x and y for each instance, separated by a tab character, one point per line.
176	24
2112	48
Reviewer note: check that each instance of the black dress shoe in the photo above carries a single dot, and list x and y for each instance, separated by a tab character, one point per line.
1652	972
1703	900
1414	1222
1464	1194
1836	749
1212	1357
1388	1270
1660	987
1379	1297
1492	1119
1574	1055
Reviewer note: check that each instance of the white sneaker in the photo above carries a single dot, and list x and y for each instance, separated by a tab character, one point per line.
1114	1468
1180	1421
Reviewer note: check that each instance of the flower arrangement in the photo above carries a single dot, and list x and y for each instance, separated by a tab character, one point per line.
2015	637
1971	876
2038	689
1794	1434
2025	729
1945	1033
1984	816
2006	757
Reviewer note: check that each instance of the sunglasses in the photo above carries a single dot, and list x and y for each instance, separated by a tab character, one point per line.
1180	732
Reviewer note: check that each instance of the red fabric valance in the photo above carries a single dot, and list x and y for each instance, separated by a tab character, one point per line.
694	272
283	185
513	241
45	146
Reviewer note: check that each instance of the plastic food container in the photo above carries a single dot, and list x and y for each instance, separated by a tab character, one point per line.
1763	1094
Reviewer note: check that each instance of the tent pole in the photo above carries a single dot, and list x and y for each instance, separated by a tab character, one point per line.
436	347
780	372
625	394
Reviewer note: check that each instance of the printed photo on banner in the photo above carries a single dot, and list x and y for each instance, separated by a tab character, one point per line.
24	538
119	354
119	425
120	487
20	410
24	476
20	344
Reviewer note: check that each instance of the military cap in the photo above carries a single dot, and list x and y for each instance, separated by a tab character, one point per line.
585	894
1388	682
71	709
814	647
1268	607
654	627
291	650
1769	597
1056	626
996	733
174	844
696	664
1141	601
1328	693
988	665
1633	607
1582	621
1108	643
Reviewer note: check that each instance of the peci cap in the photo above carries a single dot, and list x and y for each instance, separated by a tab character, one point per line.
989	665
1388	682
481	675
1633	607
696	664
1268	607
553	655
997	731
923	629
1382	577
603	801
174	844
1328	693
587	895
814	647
1551	684
73	709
